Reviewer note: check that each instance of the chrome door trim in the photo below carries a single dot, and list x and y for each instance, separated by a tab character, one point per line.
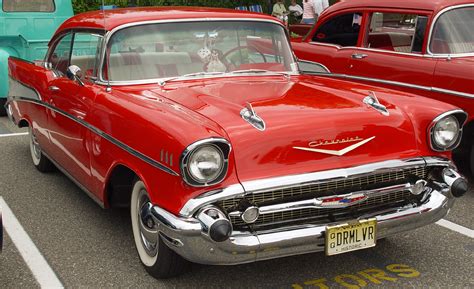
100	133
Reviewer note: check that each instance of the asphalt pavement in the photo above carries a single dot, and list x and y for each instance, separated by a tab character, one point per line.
89	247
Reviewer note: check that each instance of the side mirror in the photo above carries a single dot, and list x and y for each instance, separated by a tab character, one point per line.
74	73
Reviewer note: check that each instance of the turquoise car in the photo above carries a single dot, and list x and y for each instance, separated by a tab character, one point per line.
25	30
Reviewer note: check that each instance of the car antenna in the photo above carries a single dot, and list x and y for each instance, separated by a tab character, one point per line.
109	87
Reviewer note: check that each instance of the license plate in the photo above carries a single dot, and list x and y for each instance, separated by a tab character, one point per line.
350	237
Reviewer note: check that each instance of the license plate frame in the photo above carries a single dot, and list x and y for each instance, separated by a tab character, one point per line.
335	246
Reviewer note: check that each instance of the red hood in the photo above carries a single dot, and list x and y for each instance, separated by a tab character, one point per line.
297	113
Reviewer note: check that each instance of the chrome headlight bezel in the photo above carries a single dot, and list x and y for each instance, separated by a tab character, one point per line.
460	116
221	145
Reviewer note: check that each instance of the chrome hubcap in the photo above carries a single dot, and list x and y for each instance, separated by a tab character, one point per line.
146	225
35	146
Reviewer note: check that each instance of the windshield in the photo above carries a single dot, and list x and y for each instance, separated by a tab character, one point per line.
154	51
453	32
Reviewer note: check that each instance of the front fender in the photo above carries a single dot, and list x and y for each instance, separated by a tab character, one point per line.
5	53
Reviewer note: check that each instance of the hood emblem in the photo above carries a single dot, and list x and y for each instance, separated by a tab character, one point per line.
250	116
360	142
341	201
372	101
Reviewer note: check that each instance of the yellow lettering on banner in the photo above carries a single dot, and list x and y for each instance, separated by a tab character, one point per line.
376	275
297	286
403	270
344	278
318	282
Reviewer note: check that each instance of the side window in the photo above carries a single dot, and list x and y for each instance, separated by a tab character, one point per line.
85	53
59	59
28	6
396	32
341	30
453	32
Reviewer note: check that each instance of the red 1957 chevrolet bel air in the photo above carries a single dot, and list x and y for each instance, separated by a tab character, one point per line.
200	121
418	46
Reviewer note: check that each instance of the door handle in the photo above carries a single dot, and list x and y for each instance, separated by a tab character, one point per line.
54	88
359	56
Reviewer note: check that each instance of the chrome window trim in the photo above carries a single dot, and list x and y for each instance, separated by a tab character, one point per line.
110	33
316	63
54	42
100	133
256	186
440	117
433	23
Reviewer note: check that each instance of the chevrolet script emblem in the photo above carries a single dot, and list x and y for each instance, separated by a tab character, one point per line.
360	142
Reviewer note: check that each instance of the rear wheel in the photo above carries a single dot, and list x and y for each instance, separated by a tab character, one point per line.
41	162
159	260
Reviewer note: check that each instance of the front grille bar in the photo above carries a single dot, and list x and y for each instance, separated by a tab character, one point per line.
319	203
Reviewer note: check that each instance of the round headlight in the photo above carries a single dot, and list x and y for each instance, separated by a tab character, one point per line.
206	164
445	133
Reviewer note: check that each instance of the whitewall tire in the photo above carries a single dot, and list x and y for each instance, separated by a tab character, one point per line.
159	260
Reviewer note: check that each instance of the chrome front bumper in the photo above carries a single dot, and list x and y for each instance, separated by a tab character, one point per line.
187	237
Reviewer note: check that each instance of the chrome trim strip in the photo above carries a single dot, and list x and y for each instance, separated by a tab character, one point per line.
369	49
433	24
256	186
396	83
109	34
101	133
440	117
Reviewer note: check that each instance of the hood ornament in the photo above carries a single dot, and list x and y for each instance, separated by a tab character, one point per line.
372	101
334	152
250	116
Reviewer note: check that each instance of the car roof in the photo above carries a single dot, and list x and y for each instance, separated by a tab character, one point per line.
431	5
110	19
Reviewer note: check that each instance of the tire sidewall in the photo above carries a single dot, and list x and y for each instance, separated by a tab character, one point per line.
146	259
36	159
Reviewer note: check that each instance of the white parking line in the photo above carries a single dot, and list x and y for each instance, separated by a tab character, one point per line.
30	253
456	228
13	134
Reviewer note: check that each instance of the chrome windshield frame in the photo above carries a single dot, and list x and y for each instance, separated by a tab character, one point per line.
110	33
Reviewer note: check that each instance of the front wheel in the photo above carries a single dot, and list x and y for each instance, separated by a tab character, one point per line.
41	162
159	260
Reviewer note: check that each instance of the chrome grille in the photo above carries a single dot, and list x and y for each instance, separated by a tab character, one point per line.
325	188
325	214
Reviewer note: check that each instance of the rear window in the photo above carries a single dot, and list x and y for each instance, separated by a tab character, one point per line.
453	33
28	6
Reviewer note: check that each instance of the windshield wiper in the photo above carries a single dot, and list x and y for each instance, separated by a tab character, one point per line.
250	71
184	76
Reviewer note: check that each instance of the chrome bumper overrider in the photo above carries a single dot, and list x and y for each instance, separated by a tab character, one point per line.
186	236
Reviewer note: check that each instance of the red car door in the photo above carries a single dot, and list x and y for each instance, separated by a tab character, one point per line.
392	49
71	101
333	42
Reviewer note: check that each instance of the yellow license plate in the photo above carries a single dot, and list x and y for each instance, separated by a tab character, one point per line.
350	237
